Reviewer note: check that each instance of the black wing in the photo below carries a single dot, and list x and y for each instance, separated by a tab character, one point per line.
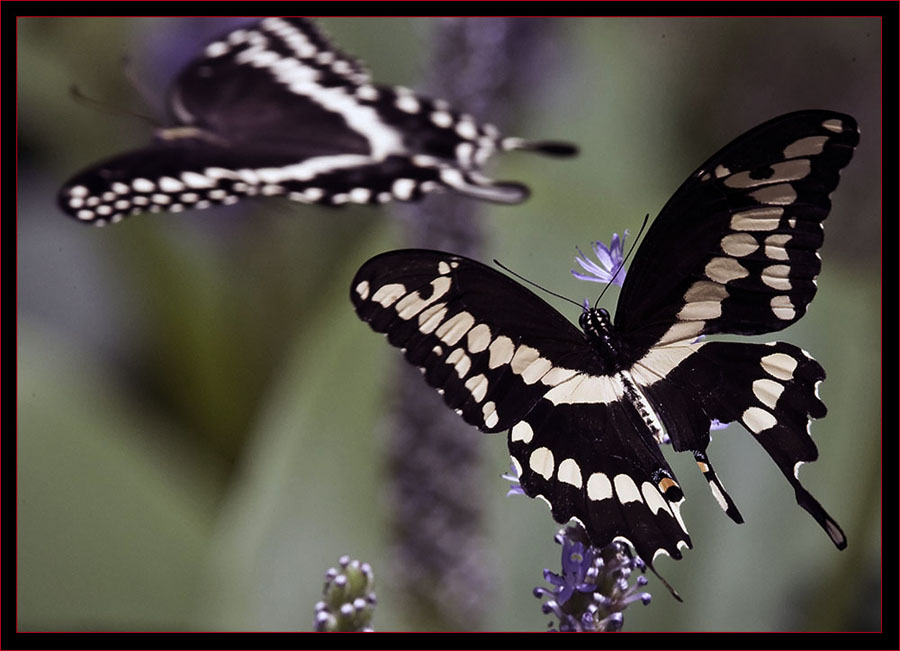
275	109
504	359
735	250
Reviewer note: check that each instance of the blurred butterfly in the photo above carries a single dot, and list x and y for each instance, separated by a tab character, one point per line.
734	251
274	109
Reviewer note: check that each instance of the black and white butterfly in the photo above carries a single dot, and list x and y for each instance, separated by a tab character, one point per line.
733	251
275	109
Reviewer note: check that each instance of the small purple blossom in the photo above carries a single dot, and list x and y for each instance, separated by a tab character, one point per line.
512	476
593	589
610	258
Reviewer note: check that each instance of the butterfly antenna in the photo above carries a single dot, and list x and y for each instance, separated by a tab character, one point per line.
534	284
105	107
624	260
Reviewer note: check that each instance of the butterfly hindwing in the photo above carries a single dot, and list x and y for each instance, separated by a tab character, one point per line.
274	109
594	462
772	390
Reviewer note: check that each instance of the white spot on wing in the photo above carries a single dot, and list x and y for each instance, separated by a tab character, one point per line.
403	188
442	119
781	194
703	301
739	244
413	303
478	338
779	365
460	361
791	170
407	104
454	328
783	308
724	270
521	431
654	498
431	318
387	295
501	351
626	489
569	473
809	146
478	386
757	219
528	363
777	277
363	289
758	420
168	184
557	375
767	391
584	388
776	246
541	462
491	418
143	185
599	487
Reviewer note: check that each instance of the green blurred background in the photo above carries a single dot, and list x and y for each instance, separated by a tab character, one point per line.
201	430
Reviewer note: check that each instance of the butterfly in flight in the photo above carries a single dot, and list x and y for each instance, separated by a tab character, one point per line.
734	251
274	109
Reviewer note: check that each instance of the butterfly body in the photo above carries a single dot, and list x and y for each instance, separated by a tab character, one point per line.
274	109
734	251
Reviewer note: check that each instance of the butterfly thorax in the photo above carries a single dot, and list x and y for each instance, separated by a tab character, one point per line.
598	330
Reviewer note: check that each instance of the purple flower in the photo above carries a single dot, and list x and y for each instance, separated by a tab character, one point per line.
512	476
610	258
593	589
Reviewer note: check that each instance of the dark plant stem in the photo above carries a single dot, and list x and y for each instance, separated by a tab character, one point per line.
482	66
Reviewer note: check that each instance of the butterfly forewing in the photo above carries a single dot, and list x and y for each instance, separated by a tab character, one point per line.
275	109
492	361
735	250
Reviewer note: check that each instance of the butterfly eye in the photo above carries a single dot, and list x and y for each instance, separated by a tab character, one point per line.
584	319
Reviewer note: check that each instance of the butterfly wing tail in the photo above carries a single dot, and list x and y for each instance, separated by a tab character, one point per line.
554	148
772	390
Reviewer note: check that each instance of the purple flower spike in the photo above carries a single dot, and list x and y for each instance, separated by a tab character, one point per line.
594	587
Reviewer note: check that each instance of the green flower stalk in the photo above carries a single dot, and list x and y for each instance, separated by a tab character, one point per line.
349	602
